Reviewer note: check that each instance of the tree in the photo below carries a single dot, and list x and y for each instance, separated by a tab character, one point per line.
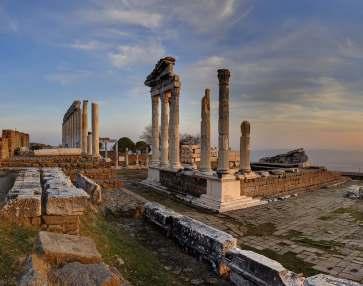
124	143
147	135
142	146
189	139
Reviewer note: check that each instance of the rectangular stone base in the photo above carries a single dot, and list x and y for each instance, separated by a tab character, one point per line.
153	175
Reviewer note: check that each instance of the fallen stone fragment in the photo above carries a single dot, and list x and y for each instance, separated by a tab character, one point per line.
77	274
327	280
60	248
92	188
250	268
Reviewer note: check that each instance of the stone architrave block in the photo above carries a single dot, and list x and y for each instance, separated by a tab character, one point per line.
202	240
249	268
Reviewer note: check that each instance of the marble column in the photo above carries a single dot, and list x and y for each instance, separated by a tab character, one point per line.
105	149
95	130
126	157
174	148
223	122
116	154
79	128
137	158
205	161
245	163
63	134
155	160
84	126
164	146
72	131
89	143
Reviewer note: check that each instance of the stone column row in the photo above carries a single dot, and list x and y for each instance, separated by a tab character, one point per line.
169	154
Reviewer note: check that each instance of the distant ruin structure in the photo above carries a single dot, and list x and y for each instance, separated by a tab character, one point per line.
75	132
12	141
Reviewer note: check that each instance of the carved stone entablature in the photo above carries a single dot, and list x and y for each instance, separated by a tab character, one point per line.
76	105
164	69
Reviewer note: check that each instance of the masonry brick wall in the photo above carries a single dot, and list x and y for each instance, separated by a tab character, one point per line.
15	140
306	180
177	182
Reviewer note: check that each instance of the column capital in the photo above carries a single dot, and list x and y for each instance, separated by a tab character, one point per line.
245	129
223	76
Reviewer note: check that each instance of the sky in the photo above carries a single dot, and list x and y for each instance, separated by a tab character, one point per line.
296	66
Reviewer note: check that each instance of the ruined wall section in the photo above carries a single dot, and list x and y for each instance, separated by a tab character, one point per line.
305	180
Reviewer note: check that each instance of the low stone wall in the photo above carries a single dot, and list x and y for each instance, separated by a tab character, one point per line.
58	152
305	180
23	202
93	189
241	267
179	182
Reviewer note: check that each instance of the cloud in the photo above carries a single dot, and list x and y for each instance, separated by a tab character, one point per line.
144	19
88	46
65	77
137	54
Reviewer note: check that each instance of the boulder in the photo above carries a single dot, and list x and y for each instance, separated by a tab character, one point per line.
61	248
77	274
327	280
297	156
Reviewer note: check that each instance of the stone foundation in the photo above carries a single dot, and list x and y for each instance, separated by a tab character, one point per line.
23	203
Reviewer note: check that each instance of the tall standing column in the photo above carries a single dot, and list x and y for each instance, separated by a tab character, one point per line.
63	134
84	126
155	160
95	130
245	163
79	128
116	154
72	131
223	122
89	143
205	163
164	156
126	157
174	128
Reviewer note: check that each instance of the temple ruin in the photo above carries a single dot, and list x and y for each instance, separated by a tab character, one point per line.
225	188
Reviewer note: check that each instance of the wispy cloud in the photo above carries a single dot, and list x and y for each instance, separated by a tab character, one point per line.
136	55
65	77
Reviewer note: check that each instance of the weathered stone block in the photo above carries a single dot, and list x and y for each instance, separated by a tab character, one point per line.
250	268
93	189
61	248
86	274
326	280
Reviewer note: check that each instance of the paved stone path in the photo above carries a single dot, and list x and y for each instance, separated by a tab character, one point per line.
314	232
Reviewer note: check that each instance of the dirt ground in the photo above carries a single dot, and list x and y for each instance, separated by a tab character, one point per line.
320	231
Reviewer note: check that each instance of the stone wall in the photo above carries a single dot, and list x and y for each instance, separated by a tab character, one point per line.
16	140
178	182
105	177
305	180
4	149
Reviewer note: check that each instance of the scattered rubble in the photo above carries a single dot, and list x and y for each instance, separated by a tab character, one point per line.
354	192
297	156
92	188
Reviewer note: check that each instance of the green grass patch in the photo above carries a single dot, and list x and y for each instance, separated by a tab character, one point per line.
16	242
354	213
263	229
326	245
141	267
289	260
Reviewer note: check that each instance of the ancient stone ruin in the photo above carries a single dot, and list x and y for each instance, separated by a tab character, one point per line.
224	188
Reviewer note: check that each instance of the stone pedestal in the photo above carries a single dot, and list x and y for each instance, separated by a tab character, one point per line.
205	164
245	164
95	130
164	156
223	122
